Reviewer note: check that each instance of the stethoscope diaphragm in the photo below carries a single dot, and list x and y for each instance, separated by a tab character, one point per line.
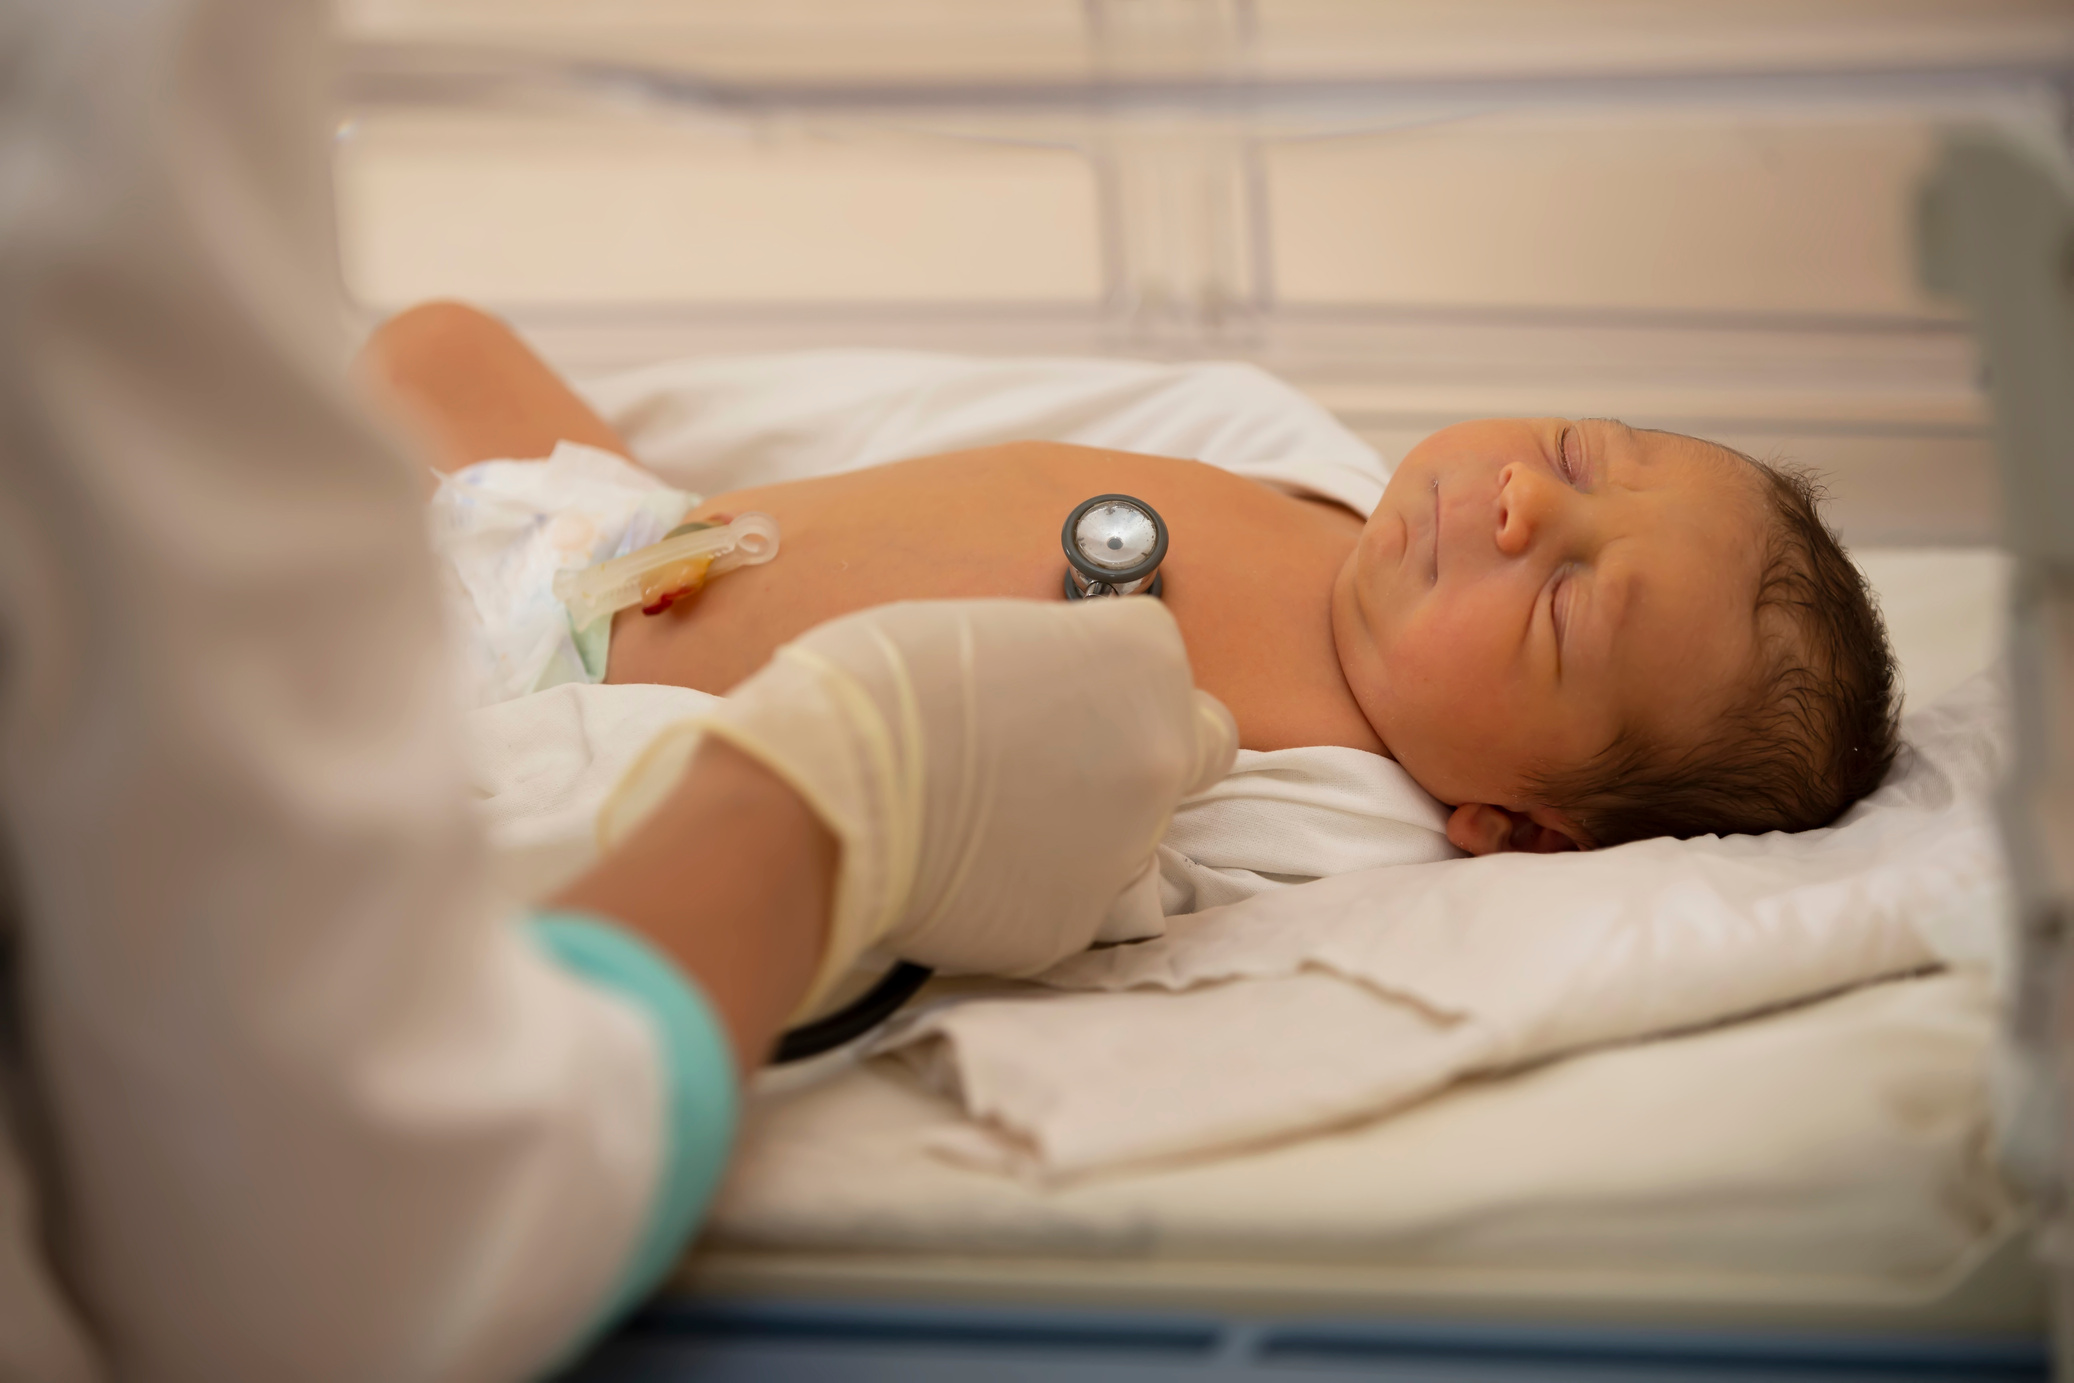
1114	545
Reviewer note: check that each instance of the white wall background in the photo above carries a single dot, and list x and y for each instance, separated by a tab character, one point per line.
1748	276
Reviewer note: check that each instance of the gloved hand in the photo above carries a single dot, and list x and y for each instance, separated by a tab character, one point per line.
996	771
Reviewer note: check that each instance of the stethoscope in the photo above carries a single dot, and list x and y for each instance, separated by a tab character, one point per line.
1114	545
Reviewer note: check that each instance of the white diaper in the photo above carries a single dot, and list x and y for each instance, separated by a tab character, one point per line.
504	528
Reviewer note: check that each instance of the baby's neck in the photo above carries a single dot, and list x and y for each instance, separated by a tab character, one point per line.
1259	629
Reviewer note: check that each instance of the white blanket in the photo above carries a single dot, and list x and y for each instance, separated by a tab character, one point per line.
1309	1007
544	762
726	424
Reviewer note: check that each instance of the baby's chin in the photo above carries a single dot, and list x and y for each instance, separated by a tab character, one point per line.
1370	569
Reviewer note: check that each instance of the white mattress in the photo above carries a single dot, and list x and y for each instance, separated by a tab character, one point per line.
1839	1145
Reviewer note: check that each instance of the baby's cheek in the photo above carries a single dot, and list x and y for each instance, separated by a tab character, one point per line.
1457	733
1435	657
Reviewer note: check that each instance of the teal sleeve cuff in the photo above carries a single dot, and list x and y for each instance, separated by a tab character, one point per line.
699	1069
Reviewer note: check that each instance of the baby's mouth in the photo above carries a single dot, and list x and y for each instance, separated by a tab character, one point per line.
1433	565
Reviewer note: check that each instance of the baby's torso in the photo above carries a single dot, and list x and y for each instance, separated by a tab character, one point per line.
1248	573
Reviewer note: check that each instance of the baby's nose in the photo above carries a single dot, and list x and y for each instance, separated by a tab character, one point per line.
1524	503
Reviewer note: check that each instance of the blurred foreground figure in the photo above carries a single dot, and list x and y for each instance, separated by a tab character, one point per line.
286	1096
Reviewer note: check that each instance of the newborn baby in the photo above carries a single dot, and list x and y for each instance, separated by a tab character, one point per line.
1572	632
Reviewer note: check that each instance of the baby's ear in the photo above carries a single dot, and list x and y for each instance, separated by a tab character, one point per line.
1483	829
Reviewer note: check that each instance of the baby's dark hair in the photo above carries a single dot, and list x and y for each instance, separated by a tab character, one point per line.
1816	730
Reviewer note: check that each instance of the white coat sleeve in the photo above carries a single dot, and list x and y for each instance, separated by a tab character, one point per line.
315	1109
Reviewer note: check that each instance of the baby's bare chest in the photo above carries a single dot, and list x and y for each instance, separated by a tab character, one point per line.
1248	573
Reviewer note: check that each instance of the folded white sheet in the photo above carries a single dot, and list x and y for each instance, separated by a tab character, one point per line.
1310	1006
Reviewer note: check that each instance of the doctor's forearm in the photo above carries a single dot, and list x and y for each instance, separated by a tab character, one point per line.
732	878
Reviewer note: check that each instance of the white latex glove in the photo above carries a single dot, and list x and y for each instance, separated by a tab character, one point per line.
996	771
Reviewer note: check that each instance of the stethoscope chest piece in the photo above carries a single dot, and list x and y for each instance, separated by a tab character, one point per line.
1114	545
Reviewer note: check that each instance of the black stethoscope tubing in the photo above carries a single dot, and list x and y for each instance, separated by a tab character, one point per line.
847	1024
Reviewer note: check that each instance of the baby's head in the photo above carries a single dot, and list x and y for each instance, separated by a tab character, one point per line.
1580	634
